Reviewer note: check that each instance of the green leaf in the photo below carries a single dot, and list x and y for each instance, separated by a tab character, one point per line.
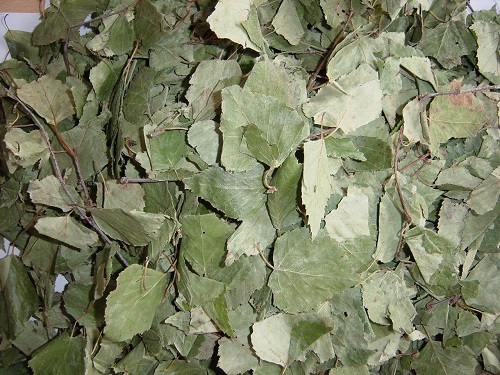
204	242
476	225
136	101
204	136
138	292
390	224
436	257
448	42
235	194
148	24
282	204
484	198
167	150
49	192
61	16
436	360
226	21
479	287
302	277
67	230
487	52
316	183
133	227
387	298
19	299
63	355
333	107
235	358
341	224
49	97
287	22
255	231
105	75
455	116
281	338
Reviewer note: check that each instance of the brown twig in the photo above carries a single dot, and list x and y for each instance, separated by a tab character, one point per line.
128	180
326	56
81	212
423	157
457	92
269	188
409	220
259	249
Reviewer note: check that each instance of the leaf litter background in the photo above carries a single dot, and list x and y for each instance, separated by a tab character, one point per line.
220	203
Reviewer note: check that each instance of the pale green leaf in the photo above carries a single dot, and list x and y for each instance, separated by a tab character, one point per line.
256	231
136	102
209	78
67	230
308	272
287	22
63	355
316	183
349	370
226	21
487	52
420	67
138	293
476	225
415	122
435	360
133	227
167	150
204	137
282	338
452	220
387	299
335	108
235	358
148	24
236	194
480	287
49	192
18	297
484	197
49	97
390	224
24	149
457	178
341	224
128	197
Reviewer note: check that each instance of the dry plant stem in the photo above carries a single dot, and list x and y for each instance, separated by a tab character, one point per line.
66	41
127	180
423	157
326	57
458	92
259	249
269	188
81	212
408	218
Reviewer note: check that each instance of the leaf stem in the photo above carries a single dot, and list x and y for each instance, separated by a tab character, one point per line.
270	189
259	249
408	217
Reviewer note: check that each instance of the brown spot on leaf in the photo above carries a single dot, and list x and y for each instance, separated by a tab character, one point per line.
460	100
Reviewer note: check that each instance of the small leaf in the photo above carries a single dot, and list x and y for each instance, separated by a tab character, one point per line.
128	197
67	230
316	183
48	192
435	360
287	22
235	358
130	308
24	149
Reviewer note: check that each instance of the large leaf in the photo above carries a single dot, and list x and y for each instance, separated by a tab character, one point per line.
308	272
435	360
338	106
18	296
67	230
63	355
235	194
138	293
49	97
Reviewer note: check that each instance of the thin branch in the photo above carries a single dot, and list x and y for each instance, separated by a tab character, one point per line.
81	212
409	220
128	180
269	188
326	57
457	92
259	249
